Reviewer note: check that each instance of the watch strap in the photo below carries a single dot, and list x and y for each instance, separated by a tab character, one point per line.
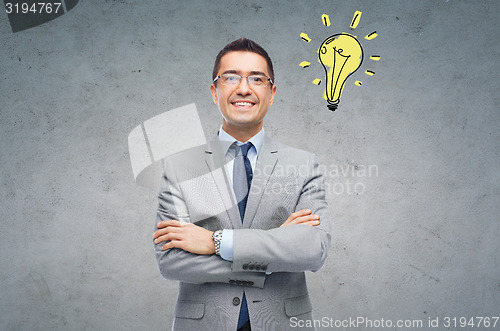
217	237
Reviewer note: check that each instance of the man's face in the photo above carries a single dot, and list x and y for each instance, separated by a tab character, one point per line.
243	107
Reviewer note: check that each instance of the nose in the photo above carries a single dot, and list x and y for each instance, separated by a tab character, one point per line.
243	87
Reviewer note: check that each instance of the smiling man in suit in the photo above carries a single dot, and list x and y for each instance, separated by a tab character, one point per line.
241	219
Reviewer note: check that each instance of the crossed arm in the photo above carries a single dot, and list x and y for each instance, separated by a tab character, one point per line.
197	240
188	254
185	251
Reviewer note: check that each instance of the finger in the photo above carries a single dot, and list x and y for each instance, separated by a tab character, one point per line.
166	230
173	244
296	214
307	218
299	213
159	232
166	223
311	223
169	245
167	237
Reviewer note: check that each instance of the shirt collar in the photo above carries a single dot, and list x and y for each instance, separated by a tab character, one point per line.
256	140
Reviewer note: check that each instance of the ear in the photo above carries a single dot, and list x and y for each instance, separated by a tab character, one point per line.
273	93
213	90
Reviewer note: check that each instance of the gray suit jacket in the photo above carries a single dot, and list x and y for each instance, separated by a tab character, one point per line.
195	188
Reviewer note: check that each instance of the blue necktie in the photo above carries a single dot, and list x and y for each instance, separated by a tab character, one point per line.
242	178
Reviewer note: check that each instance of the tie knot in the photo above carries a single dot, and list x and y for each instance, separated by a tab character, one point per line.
244	149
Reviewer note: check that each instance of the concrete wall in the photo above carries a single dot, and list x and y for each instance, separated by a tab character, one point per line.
417	238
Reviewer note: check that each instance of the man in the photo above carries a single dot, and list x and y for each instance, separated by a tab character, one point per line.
240	220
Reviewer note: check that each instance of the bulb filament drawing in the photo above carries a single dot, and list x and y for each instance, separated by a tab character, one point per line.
341	55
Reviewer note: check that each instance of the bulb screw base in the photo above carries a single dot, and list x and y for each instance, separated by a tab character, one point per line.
333	106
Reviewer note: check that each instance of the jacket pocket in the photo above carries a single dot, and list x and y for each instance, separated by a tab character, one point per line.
298	306
189	309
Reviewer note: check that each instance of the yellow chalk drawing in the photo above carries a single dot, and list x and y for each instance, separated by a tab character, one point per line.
325	19
341	55
355	19
305	37
372	35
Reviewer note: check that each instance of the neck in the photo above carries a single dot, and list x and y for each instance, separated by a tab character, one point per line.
241	133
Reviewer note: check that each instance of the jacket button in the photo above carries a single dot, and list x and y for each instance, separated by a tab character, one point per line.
232	281
238	282
264	268
236	301
245	266
257	267
251	267
250	283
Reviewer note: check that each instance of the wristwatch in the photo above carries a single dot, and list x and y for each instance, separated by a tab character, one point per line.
217	237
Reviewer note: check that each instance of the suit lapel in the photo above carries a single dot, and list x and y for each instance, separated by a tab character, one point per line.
266	162
215	159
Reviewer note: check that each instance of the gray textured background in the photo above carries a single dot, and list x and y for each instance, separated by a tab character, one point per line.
420	241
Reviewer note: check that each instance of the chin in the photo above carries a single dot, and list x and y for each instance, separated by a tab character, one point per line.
244	122
243	116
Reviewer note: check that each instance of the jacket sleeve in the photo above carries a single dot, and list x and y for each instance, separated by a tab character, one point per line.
291	248
177	264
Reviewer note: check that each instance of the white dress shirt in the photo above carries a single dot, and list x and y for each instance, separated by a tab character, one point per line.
226	246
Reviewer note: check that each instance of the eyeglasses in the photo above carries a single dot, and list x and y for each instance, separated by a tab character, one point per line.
252	80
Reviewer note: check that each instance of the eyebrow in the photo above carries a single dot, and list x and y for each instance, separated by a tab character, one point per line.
238	72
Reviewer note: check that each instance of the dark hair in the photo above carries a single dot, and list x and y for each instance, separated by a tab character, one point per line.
243	45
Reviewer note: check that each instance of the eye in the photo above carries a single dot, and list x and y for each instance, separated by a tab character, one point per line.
257	80
231	79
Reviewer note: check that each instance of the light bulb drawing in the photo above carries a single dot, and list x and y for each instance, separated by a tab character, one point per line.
341	55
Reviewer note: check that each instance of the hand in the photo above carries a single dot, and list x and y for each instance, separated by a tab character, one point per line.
302	216
186	236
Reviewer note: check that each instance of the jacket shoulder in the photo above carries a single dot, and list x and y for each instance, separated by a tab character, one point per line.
288	151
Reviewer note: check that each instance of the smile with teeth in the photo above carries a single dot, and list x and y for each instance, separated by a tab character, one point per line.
243	103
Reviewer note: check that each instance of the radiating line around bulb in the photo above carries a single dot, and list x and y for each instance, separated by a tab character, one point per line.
372	35
325	19
305	37
355	19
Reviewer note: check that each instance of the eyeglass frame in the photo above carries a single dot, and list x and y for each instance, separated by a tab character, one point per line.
241	77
